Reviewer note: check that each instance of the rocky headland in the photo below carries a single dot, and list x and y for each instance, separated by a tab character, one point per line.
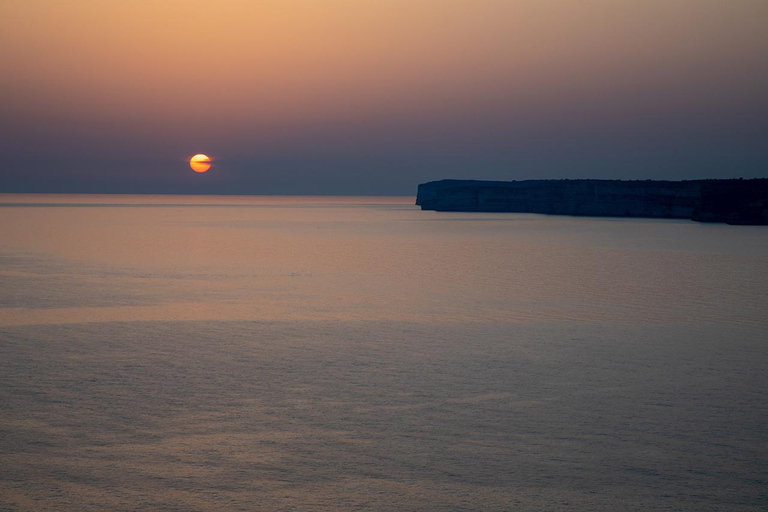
734	201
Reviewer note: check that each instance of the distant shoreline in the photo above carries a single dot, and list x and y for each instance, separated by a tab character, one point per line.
733	201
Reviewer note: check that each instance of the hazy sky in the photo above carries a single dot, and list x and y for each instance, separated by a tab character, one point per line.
376	96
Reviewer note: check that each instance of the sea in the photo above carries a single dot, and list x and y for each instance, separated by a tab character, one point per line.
217	353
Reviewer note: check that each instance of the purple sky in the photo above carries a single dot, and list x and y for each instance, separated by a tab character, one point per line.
370	97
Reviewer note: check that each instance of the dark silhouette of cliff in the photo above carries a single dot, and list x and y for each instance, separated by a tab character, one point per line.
735	201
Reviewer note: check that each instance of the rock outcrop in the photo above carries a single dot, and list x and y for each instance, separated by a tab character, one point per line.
735	201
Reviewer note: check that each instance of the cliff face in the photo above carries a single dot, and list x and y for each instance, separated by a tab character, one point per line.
731	201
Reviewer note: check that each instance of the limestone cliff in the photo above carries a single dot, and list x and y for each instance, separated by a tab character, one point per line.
732	201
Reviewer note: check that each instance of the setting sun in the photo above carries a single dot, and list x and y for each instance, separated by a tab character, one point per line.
200	163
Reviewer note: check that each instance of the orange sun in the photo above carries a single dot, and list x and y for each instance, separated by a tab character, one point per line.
200	163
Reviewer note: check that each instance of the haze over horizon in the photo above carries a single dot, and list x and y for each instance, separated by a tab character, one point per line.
364	97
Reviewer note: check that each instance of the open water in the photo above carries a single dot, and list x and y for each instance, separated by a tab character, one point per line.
256	353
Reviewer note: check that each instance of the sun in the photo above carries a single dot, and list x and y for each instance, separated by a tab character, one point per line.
200	163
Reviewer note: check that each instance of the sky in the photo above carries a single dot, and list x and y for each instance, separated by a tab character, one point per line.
374	97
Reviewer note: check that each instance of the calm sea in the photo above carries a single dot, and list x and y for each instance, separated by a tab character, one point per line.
281	353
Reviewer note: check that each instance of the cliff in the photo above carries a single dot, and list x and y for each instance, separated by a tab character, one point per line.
732	201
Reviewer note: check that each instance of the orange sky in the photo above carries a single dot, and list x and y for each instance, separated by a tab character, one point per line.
279	69
291	60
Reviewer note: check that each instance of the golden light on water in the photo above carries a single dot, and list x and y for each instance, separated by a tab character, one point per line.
200	163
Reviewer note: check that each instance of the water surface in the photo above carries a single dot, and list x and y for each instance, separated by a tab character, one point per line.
283	353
